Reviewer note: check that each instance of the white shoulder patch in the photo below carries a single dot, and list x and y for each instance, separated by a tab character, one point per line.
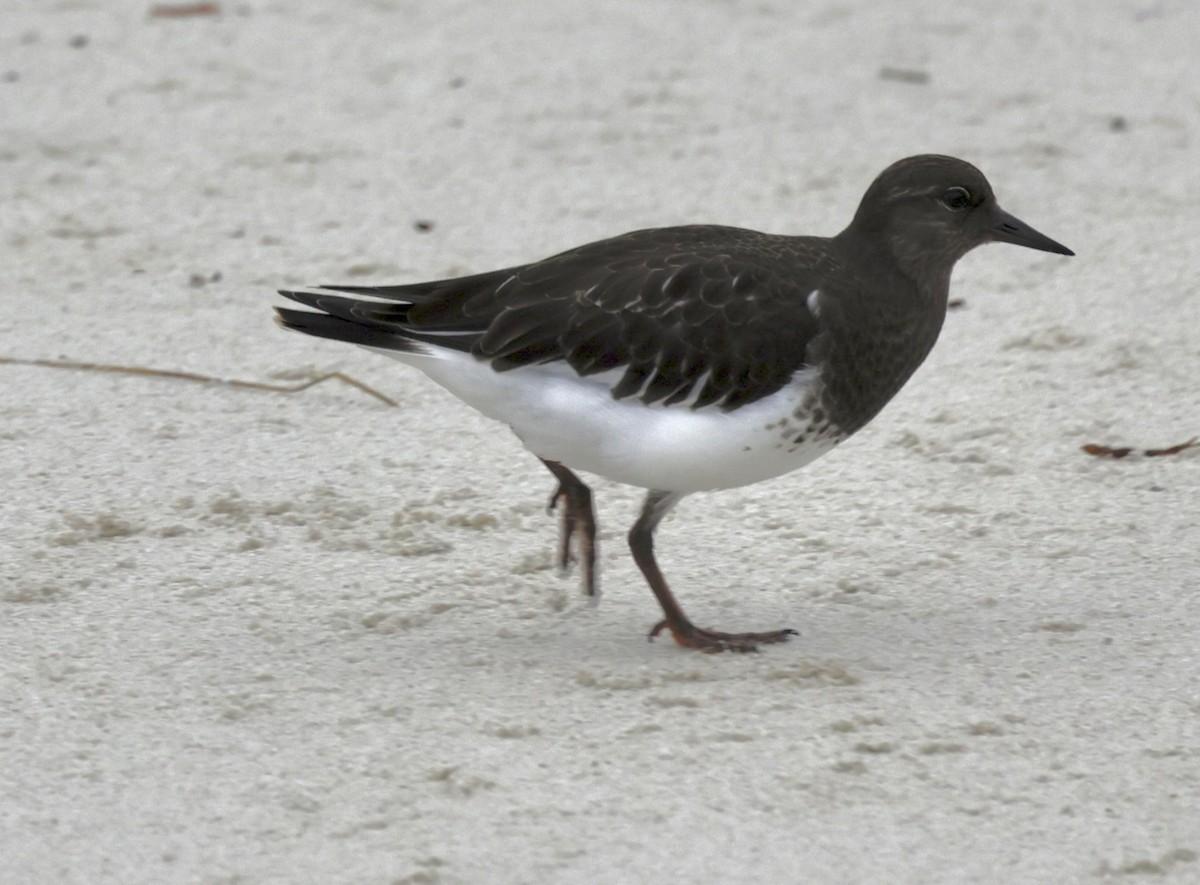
813	301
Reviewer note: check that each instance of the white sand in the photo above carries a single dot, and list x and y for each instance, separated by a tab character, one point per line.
249	637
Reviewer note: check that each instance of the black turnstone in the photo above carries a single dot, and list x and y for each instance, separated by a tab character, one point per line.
685	359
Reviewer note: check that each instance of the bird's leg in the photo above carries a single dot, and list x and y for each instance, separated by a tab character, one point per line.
687	634
577	517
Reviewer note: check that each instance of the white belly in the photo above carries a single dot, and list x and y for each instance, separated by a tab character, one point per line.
575	421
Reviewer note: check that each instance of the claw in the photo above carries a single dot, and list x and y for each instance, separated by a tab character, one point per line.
713	642
578	521
552	504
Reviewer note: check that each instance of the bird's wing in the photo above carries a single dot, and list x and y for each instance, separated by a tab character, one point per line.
703	315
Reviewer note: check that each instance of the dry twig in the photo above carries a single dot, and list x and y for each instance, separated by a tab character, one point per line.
1101	451
201	379
184	10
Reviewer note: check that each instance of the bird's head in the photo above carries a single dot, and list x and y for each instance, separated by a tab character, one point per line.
930	210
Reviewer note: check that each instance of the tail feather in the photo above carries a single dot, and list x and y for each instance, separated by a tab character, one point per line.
354	310
367	323
323	325
420	293
414	317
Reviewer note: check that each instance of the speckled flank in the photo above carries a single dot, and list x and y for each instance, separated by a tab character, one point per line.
805	430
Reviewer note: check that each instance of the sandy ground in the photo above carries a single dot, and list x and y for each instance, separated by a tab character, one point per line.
255	637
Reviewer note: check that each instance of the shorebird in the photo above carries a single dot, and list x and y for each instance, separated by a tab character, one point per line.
688	359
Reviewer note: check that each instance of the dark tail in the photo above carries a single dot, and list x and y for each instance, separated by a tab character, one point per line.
367	323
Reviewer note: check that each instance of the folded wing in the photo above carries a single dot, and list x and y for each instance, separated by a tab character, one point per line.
700	315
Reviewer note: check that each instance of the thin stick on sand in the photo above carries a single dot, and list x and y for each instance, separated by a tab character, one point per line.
200	379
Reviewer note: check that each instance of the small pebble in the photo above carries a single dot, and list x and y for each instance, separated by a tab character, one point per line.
904	75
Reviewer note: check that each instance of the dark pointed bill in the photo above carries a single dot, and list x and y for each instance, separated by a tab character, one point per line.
1009	229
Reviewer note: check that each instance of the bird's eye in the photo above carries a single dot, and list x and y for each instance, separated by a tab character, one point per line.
956	198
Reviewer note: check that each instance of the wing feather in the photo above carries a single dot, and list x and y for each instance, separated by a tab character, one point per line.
701	315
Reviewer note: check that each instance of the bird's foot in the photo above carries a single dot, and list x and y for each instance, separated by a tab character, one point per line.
712	641
578	520
560	496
